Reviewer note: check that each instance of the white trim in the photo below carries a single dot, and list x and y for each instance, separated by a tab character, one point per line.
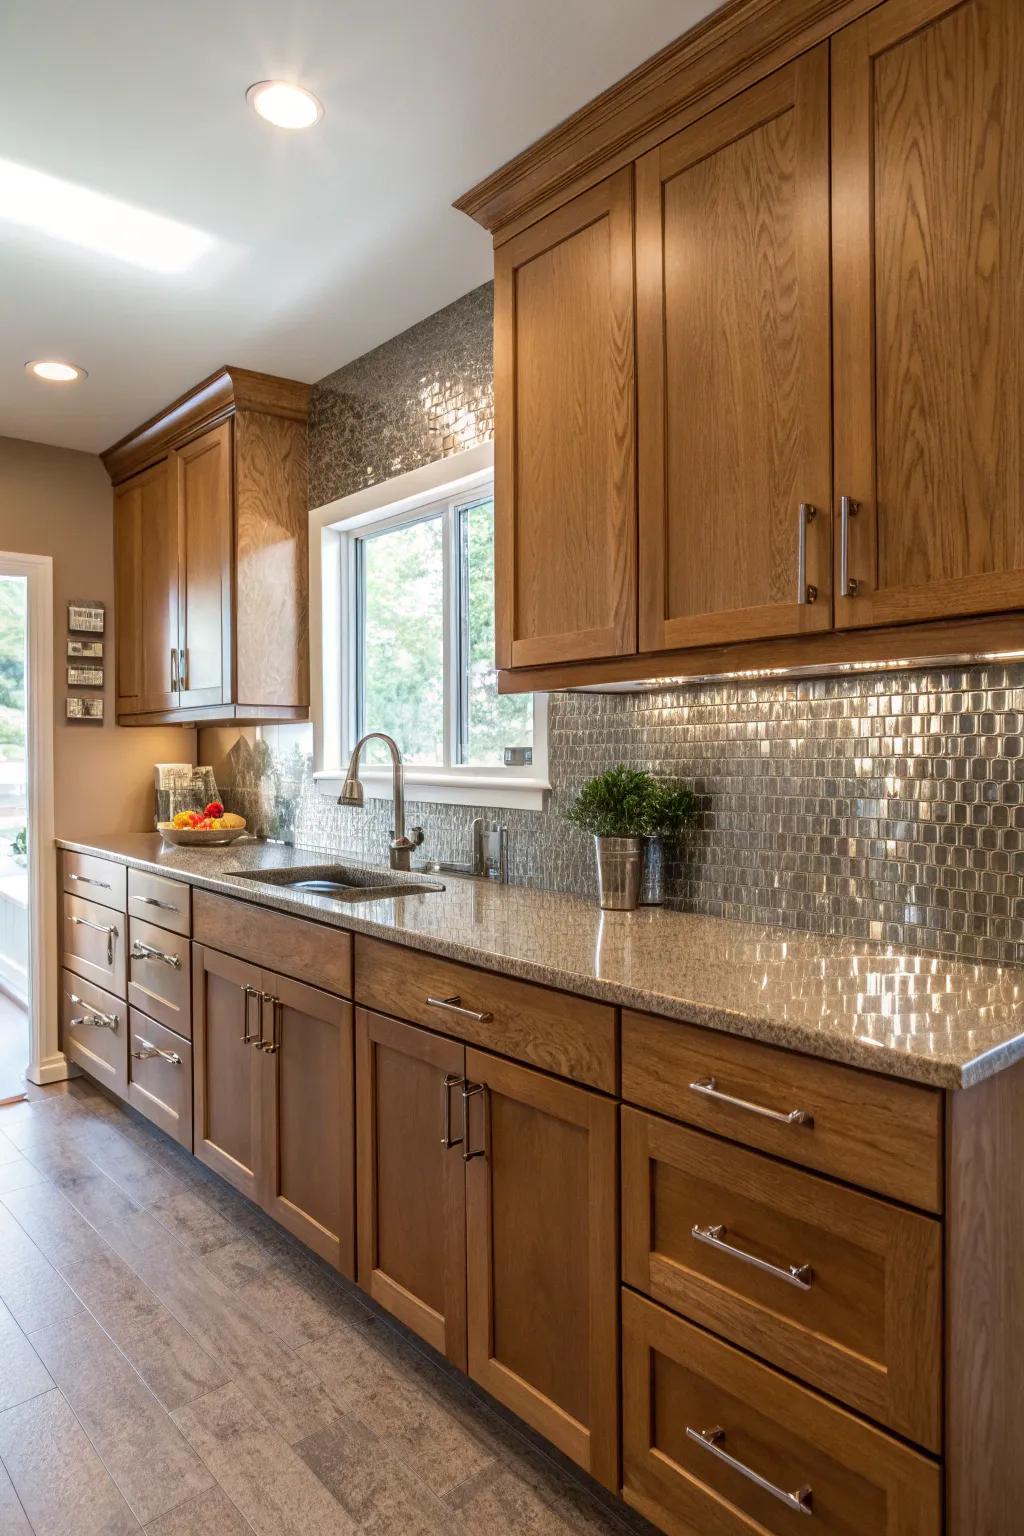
47	1063
442	786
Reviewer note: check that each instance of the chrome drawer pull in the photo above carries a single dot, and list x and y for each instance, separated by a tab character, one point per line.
848	585
100	1020
142	951
151	901
248	993
454	1005
148	1051
468	1090
447	1140
805	592
710	1440
107	928
708	1086
273	1045
800	1275
88	880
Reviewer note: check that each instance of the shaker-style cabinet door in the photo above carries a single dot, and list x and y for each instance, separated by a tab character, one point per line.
411	1177
565	496
227	1099
542	1244
928	210
734	369
308	1173
204	490
146	590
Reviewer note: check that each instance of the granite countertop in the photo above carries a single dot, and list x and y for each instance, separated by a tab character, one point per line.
950	1023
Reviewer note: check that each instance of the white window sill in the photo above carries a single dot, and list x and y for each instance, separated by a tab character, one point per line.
503	791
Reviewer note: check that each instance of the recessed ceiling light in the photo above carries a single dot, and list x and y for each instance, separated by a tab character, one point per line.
56	373
284	105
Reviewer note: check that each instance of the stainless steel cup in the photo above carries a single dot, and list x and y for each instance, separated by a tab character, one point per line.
620	865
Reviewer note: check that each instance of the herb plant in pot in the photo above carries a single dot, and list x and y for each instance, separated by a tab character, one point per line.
671	807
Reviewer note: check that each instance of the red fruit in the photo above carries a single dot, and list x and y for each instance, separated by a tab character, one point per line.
194	819
214	809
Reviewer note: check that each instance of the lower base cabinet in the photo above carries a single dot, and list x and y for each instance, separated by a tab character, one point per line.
471	1166
273	1097
94	1028
160	1076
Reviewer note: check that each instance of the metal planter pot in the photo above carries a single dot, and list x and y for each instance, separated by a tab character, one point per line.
652	886
620	866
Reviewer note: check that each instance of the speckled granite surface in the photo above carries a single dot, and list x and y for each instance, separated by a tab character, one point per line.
945	1022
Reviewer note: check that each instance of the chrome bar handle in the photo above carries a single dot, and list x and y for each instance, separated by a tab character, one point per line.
175	685
804	593
100	1020
273	1045
151	901
248	993
848	586
468	1090
708	1086
802	1502
104	885
800	1275
107	928
454	1005
447	1141
142	951
149	1051
183	668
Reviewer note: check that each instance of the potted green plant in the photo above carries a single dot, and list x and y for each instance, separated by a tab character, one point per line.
621	808
671	807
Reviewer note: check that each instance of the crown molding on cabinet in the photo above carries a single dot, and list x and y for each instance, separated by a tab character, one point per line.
732	48
224	392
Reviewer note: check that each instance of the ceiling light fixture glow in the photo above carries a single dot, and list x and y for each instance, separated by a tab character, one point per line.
56	373
284	105
83	217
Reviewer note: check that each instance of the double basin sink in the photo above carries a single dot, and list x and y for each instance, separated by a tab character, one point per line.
343	882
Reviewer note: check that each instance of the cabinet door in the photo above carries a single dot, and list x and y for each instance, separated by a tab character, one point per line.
542	1242
308	1172
734	369
565	497
146	591
226	1091
412	1182
204	491
928	208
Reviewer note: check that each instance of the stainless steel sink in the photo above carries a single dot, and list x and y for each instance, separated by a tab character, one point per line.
343	882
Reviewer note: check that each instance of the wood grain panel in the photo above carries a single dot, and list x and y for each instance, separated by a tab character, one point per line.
160	1087
160	981
90	1042
869	1328
271	560
569	1035
156	899
675	1376
95	879
541	1243
205	530
733	291
411	1184
227	1104
308	951
146	590
929	203
878	1132
94	941
565	496
128	660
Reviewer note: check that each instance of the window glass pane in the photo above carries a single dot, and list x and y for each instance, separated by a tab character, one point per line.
489	723
402	641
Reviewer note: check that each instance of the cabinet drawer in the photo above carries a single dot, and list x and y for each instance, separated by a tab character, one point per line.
160	1077
308	951
567	1035
94	1031
875	1131
160	976
95	879
155	899
680	1385
860	1317
94	943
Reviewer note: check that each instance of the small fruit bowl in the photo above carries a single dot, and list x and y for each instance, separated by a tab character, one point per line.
209	828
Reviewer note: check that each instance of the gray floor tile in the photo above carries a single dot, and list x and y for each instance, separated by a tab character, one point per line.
382	1496
175	1368
211	1514
62	1484
22	1373
116	1154
292	1399
13	1519
114	1294
138	1443
189	1218
31	1288
18	1173
239	1262
271	1485
8	1151
56	1228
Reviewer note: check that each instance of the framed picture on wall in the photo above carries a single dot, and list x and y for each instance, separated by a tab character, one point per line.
84	710
85	650
85	677
86	618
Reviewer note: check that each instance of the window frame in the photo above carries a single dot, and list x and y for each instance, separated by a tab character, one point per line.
335	531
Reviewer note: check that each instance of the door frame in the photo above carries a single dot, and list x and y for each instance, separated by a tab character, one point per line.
46	1061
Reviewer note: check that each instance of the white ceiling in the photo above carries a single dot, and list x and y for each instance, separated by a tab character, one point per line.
325	243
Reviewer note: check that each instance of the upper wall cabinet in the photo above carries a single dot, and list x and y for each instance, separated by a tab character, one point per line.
210	540
928	219
565	498
733	357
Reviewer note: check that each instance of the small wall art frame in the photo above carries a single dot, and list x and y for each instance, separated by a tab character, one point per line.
86	618
83	711
85	676
85	650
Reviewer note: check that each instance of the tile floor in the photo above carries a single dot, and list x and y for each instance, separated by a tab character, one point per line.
13	1047
170	1361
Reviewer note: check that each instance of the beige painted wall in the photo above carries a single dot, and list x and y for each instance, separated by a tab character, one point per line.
57	502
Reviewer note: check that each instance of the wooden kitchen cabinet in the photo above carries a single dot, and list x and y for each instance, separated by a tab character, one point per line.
928	204
211	558
411	1177
273	1094
733	369
542	1220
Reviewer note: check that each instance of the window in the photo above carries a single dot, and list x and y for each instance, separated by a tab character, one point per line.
412	616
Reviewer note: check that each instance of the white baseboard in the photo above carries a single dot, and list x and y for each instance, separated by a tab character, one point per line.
55	1069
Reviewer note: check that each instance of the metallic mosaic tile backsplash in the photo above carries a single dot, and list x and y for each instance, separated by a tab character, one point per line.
888	806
